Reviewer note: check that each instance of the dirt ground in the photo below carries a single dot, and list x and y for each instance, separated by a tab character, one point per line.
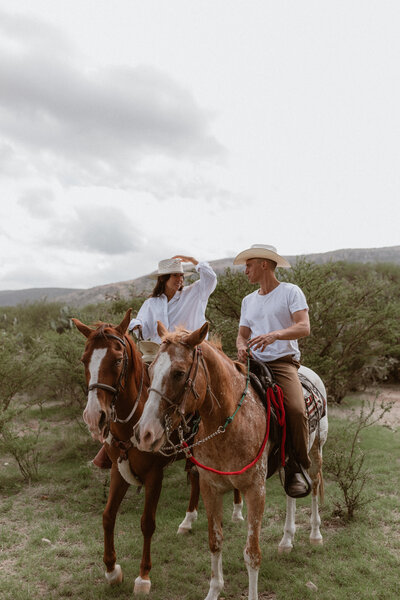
385	395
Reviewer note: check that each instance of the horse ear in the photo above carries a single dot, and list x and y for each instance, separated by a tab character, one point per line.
161	329
123	326
84	329
195	338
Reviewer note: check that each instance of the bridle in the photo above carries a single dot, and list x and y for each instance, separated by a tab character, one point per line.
119	385
190	380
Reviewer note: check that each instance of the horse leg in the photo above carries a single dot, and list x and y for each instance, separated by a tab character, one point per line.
118	489
152	484
286	543
255	500
237	507
317	485
191	513
213	502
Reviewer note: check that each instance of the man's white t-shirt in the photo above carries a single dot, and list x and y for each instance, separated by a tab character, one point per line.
269	312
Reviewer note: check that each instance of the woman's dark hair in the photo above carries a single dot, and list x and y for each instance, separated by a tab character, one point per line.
159	288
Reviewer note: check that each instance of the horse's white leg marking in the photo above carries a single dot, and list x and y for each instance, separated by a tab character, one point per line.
237	512
217	579
149	425
286	543
114	576
142	586
93	408
186	524
253	577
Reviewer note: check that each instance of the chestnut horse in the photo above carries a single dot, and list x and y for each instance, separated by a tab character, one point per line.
192	374
118	384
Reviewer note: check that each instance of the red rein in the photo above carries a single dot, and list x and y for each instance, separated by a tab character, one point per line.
280	410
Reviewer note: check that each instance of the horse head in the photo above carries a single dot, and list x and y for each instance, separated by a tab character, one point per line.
177	386
105	359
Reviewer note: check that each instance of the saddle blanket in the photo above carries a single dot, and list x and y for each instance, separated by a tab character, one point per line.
315	403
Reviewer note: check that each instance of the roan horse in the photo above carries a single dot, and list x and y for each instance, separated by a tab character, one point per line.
192	374
117	390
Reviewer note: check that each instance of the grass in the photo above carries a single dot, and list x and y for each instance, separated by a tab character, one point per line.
360	559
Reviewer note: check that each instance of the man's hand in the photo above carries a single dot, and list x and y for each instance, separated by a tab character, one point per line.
242	354
260	342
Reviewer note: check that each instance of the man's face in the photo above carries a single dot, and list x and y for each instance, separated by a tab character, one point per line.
254	270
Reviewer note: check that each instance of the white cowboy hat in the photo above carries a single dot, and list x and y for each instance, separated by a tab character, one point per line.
168	266
261	251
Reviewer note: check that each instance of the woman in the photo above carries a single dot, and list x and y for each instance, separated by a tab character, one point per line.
171	302
174	305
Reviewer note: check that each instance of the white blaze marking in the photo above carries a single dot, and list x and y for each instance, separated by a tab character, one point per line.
93	405
152	404
149	422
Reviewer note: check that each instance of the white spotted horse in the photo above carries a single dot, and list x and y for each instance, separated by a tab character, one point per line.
232	445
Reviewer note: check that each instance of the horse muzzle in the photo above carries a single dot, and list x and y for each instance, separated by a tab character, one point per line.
150	437
98	423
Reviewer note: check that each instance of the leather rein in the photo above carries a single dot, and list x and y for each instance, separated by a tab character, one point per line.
119	385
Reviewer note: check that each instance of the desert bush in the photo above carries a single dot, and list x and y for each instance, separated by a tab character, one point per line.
18	369
344	460
21	443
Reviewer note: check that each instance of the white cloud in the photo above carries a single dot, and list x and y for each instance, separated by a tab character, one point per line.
91	126
95	229
39	202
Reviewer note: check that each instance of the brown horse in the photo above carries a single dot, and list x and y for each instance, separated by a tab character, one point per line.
192	374
118	384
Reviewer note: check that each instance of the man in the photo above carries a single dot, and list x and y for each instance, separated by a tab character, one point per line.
272	319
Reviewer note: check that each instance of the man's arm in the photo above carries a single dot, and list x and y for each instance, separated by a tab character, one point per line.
241	342
299	329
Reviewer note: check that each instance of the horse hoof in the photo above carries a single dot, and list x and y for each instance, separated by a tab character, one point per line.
284	549
316	541
237	517
114	577
142	586
183	530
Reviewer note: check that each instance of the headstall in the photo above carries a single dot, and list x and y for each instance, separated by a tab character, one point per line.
119	385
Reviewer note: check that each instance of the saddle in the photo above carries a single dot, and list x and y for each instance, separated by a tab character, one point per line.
262	378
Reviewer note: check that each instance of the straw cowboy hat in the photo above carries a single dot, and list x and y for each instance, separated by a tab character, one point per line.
261	251
169	266
148	350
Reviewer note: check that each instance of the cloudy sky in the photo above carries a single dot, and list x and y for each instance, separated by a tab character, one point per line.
132	130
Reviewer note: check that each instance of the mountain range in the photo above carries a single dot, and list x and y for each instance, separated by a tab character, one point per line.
143	285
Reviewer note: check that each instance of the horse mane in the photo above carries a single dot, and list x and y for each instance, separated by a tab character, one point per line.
101	329
177	335
174	337
216	341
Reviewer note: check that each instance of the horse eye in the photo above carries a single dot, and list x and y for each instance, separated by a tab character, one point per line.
118	362
179	374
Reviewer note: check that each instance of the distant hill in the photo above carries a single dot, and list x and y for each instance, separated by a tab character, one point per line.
143	285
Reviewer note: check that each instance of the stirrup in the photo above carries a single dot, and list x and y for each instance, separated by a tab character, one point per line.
291	470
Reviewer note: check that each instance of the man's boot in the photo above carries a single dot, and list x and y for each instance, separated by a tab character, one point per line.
102	459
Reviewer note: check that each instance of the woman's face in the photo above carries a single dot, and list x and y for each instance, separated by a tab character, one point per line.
174	283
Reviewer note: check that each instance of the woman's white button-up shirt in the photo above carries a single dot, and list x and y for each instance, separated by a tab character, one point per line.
186	308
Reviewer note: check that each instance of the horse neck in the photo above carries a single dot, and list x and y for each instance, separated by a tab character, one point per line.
225	384
129	393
